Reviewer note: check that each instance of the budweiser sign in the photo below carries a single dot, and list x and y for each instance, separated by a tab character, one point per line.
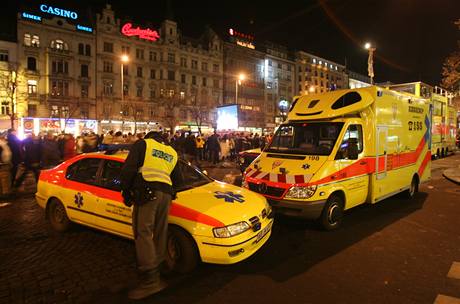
148	34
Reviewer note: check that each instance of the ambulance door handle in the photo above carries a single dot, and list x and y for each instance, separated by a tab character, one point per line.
363	162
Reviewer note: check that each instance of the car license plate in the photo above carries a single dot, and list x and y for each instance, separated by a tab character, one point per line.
263	232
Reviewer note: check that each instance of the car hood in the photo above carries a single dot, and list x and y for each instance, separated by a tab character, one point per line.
220	203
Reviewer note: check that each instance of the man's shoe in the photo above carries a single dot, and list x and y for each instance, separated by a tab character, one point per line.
146	289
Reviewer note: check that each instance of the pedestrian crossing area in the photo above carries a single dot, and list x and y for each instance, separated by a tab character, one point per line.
454	274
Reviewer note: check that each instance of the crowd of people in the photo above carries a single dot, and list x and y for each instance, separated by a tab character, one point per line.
47	150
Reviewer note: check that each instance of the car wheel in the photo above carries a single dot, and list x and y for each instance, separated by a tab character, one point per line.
332	215
181	252
57	216
413	189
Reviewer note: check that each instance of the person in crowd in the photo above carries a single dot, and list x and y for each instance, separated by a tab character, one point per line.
147	180
32	156
15	147
214	147
5	151
108	138
50	155
231	145
199	147
224	148
190	149
118	138
69	147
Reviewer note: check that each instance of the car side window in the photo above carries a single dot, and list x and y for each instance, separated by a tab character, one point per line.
84	171
110	177
353	133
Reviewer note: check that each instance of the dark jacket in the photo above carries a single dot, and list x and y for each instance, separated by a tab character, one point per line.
213	143
50	155
15	147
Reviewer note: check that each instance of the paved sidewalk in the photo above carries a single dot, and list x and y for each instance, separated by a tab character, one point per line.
452	174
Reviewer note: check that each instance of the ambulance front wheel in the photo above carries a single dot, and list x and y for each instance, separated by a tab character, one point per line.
332	215
57	216
181	252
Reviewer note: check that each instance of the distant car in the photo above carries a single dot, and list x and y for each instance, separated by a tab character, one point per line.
209	221
245	158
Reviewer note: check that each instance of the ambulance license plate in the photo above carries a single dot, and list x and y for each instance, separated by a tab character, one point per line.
263	232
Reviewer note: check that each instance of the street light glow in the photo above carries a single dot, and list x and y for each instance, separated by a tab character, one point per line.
124	58
242	77
367	45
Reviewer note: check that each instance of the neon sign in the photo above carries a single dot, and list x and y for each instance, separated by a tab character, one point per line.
147	34
58	11
245	44
232	32
84	28
30	16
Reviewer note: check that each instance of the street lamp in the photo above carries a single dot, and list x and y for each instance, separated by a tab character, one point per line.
370	60
240	78
124	59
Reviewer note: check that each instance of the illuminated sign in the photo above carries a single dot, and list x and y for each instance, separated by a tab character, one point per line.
234	33
84	28
227	117
58	11
245	44
30	16
147	34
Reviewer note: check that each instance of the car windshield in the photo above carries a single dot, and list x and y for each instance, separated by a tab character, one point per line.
189	177
316	138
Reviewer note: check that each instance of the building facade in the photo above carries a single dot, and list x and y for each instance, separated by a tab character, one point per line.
10	99
318	75
167	77
279	74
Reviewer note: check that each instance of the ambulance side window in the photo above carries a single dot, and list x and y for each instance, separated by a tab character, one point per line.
353	133
84	171
110	177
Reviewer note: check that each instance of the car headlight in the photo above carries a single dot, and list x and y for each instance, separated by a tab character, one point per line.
230	230
301	192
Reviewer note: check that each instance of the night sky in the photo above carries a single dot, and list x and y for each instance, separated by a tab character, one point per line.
412	36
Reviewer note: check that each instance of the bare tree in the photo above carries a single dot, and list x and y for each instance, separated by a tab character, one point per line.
66	112
451	68
9	81
199	113
170	116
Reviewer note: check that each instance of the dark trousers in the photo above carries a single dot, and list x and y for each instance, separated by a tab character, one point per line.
14	171
34	168
151	219
215	156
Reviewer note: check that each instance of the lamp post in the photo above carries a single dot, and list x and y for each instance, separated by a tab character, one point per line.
124	59
370	61
238	81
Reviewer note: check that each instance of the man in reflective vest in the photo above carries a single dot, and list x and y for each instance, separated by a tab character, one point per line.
146	182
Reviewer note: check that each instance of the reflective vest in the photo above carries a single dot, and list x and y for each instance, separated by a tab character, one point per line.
199	143
159	162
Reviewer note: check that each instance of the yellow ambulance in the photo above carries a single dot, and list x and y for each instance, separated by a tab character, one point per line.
344	148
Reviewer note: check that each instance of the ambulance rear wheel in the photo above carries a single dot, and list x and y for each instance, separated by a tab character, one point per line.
181	252
57	216
413	188
332	215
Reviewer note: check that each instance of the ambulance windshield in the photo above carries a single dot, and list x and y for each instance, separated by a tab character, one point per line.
316	138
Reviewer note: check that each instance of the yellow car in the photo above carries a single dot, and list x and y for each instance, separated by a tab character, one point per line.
209	220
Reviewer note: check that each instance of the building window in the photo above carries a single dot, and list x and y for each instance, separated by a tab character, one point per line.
270	63
139	54
161	74
88	50
4	55
171	58
108	88
183	114
32	110
31	40
269	85
152	74
59	45
108	47
152	56
215	68
54	111
125	89
5	108
84	90
194	80
125	50
194	64
216	83
32	87
162	92
139	72
124	110
182	78
183	62
182	95
59	88
152	93
81	49
31	63
204	66
151	112
139	90
204	81
84	70
171	93
84	111
108	67
60	66
27	40
171	75
125	69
